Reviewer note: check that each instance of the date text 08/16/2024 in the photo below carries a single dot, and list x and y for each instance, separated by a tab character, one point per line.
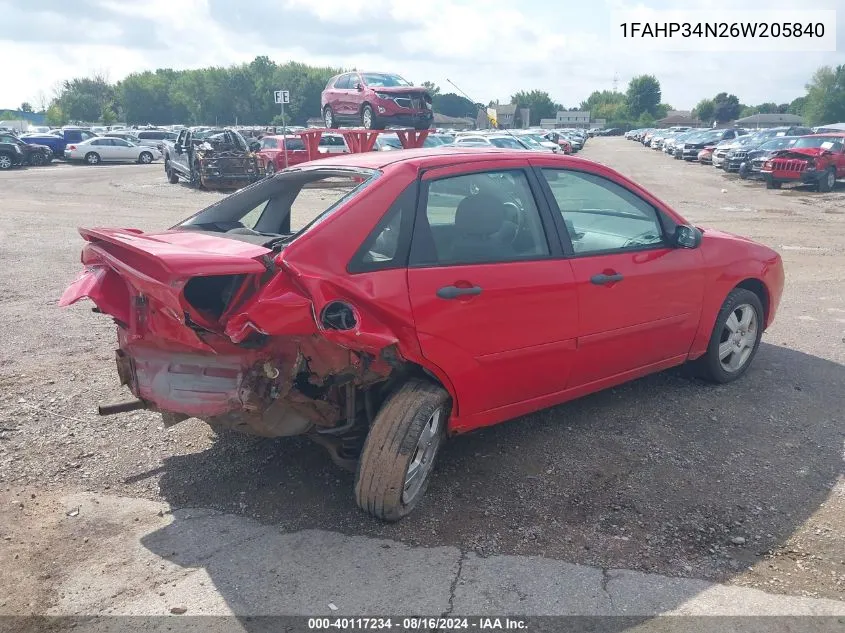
416	624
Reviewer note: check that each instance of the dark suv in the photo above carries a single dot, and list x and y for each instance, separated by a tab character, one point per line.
375	100
14	151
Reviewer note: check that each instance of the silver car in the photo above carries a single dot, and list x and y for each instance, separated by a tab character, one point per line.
105	149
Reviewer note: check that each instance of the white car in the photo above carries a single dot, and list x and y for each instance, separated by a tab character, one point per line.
505	141
105	149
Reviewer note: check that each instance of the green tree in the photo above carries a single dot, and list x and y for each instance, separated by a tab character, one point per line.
705	110
726	107
825	102
432	87
796	106
451	104
25	107
538	101
643	96
55	116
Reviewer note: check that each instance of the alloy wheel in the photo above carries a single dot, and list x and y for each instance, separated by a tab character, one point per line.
423	459
739	336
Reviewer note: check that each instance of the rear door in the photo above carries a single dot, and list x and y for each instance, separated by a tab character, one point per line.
494	303
639	299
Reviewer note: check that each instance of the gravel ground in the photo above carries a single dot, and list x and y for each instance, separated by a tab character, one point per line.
741	483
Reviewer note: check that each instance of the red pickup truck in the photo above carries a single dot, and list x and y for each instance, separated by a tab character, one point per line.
816	158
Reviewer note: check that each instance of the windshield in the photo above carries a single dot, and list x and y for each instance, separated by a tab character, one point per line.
778	143
824	142
531	141
507	142
270	211
381	80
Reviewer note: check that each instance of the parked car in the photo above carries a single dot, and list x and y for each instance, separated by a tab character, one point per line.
371	329
271	155
749	161
536	141
818	159
109	150
212	157
697	142
14	151
155	138
705	156
720	152
126	136
58	140
563	142
374	101
503	141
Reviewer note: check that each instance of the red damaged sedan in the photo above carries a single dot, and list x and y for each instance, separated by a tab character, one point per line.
445	290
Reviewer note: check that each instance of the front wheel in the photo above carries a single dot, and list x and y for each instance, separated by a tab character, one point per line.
368	119
828	180
744	171
735	338
172	176
6	161
270	168
328	118
145	158
400	450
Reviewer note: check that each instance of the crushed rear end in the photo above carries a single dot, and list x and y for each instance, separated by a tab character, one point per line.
219	329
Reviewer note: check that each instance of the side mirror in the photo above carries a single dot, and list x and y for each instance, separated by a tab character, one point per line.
687	237
359	87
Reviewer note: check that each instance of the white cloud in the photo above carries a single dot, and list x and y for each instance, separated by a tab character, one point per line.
490	48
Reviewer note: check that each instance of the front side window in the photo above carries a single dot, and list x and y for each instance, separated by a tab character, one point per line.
602	216
485	217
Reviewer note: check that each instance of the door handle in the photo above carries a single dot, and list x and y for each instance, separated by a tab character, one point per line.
453	292
602	279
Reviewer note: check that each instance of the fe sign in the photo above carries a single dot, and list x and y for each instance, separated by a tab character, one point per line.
281	96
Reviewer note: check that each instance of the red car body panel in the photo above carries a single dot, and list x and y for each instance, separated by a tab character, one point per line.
539	335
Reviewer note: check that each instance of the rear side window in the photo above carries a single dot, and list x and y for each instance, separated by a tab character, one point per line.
486	217
342	82
387	245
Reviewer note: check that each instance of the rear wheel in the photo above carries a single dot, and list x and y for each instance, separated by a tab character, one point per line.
400	450
735	337
828	180
6	161
172	176
92	158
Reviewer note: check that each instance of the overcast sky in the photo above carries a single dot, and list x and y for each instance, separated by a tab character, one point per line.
490	48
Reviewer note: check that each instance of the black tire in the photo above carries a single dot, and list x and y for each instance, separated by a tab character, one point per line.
270	168
37	159
827	181
772	184
392	446
369	120
172	176
744	171
145	158
328	118
92	158
196	179
7	161
710	366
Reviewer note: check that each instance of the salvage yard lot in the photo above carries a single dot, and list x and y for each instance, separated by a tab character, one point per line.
741	483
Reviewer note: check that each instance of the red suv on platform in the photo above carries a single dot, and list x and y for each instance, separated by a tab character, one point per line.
374	101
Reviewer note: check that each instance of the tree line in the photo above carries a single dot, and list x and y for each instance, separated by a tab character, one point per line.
243	94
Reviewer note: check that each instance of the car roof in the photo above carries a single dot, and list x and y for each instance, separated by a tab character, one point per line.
839	134
435	157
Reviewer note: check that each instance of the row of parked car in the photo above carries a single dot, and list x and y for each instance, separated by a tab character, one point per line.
278	151
81	144
789	154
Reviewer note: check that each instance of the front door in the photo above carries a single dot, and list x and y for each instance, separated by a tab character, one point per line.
494	303
639	298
